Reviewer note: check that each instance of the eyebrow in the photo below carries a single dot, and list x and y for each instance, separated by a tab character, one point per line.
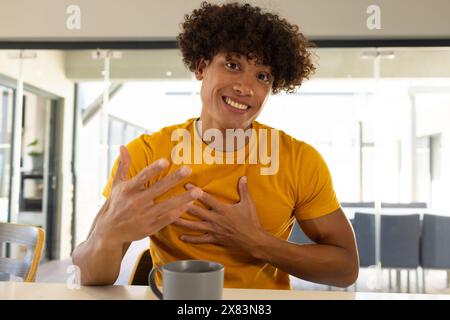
238	56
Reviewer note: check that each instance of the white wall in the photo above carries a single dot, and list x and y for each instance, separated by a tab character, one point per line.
34	127
433	117
89	186
47	73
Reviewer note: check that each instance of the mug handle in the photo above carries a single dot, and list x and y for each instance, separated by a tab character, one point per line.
152	283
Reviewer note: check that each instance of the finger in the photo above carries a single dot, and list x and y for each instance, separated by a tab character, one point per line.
203	239
208	199
175	202
193	225
190	186
167	182
244	193
201	213
166	219
141	200
123	167
147	173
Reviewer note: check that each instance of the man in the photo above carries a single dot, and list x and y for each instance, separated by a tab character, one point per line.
215	207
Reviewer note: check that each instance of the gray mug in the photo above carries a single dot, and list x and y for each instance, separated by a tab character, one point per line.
189	280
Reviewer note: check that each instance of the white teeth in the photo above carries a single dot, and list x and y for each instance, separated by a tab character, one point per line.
235	104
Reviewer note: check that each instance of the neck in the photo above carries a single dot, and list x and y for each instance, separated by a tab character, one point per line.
229	140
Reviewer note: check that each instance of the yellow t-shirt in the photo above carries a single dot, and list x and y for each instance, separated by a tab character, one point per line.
301	185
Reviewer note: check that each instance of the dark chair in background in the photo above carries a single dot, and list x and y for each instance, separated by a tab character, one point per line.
435	245
142	267
298	236
399	243
400	238
364	227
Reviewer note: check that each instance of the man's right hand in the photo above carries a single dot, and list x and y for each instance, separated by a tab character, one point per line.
131	213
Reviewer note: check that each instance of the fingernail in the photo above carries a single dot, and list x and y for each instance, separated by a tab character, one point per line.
188	186
196	193
244	179
182	238
162	162
184	171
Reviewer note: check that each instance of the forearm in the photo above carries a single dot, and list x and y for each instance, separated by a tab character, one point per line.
320	263
99	261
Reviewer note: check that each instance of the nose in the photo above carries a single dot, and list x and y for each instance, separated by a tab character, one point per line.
243	87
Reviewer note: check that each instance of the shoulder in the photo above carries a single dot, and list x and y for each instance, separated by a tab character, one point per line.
150	140
148	145
287	142
300	154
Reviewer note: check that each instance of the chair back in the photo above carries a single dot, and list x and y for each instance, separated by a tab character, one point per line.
33	239
435	242
400	239
364	227
298	236
142	267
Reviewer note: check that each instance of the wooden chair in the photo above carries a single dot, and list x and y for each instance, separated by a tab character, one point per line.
142	267
33	239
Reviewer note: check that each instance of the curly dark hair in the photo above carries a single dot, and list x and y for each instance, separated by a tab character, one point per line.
247	30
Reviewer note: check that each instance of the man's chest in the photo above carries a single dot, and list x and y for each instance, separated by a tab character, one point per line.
273	196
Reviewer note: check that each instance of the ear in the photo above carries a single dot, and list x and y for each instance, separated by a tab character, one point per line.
200	67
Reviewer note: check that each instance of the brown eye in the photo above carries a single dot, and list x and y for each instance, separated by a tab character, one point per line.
232	66
263	77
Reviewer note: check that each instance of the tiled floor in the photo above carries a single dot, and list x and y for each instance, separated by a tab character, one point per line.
436	280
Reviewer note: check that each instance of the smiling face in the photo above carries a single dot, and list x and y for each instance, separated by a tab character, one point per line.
233	92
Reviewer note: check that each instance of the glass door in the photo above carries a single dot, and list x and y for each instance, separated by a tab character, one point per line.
39	164
40	167
6	110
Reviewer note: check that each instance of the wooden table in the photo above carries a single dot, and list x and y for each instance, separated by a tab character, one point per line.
62	291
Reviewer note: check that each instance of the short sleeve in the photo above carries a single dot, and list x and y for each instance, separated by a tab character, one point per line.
141	156
315	192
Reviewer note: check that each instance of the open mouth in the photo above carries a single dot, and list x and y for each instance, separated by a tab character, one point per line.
234	105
